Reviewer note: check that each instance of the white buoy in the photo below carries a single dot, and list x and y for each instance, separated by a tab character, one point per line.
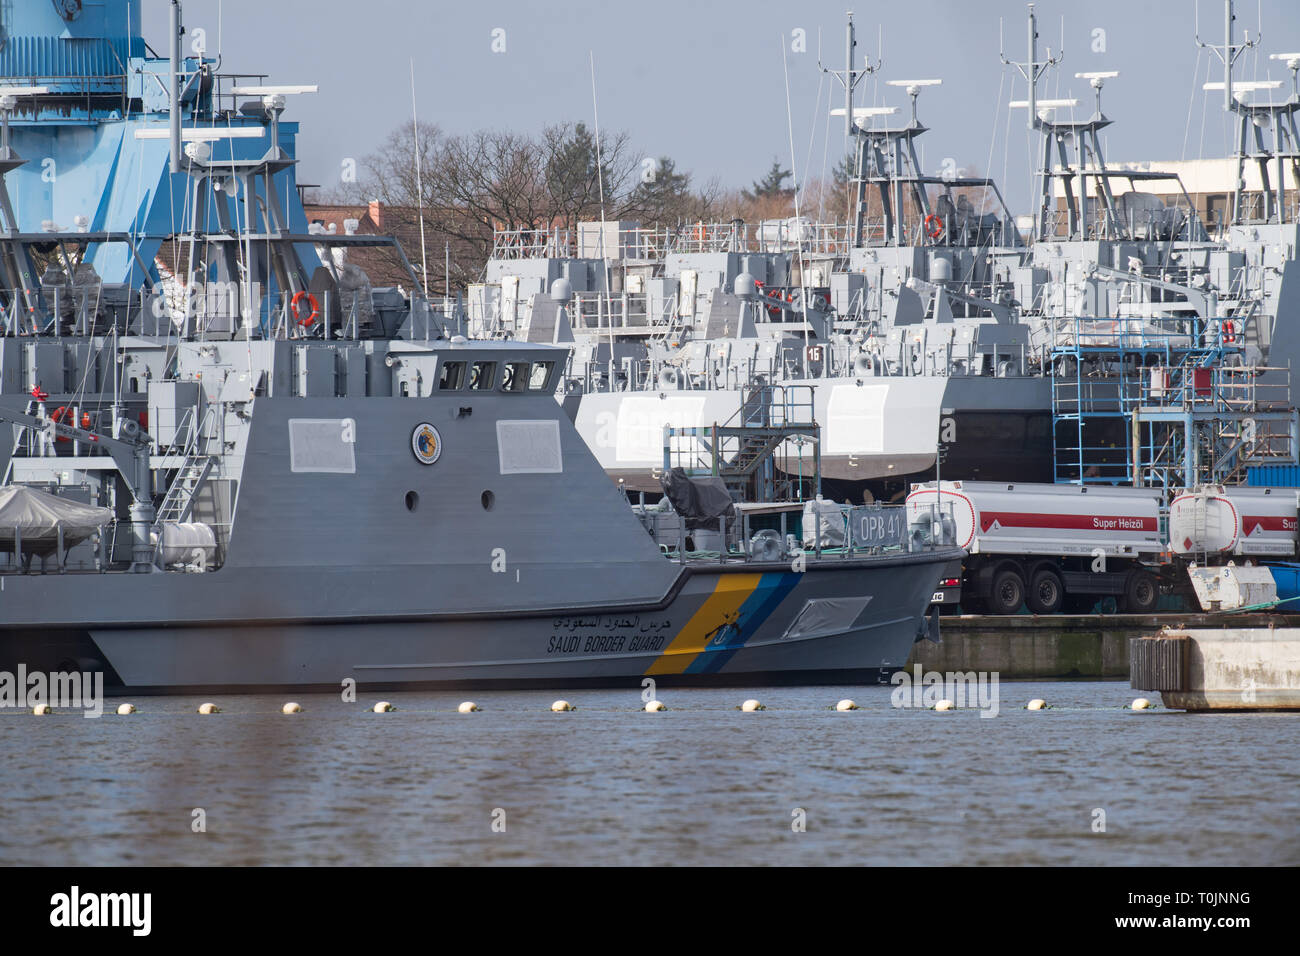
846	704
467	707
209	708
943	705
654	706
751	705
291	708
1140	704
561	705
1036	704
41	709
383	707
125	709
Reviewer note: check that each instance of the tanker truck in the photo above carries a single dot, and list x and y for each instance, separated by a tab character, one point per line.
1212	524
1051	548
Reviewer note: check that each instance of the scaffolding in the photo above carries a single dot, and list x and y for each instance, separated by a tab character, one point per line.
1137	402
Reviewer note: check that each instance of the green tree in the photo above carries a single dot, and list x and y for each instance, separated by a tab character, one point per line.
842	174
771	186
663	195
574	175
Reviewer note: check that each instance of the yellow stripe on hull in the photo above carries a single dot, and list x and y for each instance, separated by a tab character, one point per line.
720	608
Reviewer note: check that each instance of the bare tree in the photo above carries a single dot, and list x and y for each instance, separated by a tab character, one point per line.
473	184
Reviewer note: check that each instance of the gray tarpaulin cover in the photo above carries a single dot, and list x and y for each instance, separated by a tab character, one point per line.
38	515
822	617
701	501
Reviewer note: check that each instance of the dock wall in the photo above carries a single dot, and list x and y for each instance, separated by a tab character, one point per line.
1046	647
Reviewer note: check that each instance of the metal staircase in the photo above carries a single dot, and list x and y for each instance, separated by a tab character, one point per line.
760	451
179	503
196	466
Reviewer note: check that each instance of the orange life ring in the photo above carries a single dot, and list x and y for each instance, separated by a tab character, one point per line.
933	226
295	304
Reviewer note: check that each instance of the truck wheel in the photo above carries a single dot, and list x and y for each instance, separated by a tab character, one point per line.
1008	592
1141	593
1046	592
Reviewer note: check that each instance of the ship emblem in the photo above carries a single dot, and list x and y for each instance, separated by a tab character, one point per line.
426	443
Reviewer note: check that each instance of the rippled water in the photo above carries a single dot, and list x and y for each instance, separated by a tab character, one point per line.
610	784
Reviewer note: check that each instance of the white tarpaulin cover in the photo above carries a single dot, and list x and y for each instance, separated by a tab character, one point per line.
38	515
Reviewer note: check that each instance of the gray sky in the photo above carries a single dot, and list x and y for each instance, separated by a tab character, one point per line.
703	81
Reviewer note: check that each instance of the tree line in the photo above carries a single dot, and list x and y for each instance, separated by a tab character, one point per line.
473	183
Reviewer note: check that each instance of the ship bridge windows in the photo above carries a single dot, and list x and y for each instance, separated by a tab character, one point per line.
541	376
452	376
515	377
482	375
526	376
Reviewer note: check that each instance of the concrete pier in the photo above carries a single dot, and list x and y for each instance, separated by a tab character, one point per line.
1223	668
1046	647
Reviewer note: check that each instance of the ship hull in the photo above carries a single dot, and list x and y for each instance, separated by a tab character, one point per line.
853	621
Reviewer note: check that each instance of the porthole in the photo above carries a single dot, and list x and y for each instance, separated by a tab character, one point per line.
412	501
488	499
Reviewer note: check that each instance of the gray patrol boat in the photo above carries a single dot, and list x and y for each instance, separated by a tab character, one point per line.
234	465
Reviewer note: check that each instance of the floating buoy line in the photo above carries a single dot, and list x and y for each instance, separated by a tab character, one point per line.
751	705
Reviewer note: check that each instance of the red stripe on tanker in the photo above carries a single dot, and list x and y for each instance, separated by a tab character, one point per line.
1010	519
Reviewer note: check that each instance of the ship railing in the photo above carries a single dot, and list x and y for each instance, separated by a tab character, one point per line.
90	92
39	555
21	557
1252	212
821	239
223	96
711	237
218	309
796	533
533	244
1125	333
615	312
643	243
625	375
874	233
78	305
1134	224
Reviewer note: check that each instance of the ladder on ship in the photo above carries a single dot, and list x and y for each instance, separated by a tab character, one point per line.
190	477
769	450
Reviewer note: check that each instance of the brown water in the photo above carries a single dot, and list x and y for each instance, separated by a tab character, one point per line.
610	784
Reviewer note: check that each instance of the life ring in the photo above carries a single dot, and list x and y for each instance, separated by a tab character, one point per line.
295	304
933	226
1229	332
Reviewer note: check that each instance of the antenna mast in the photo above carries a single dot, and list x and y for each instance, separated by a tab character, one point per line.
850	76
